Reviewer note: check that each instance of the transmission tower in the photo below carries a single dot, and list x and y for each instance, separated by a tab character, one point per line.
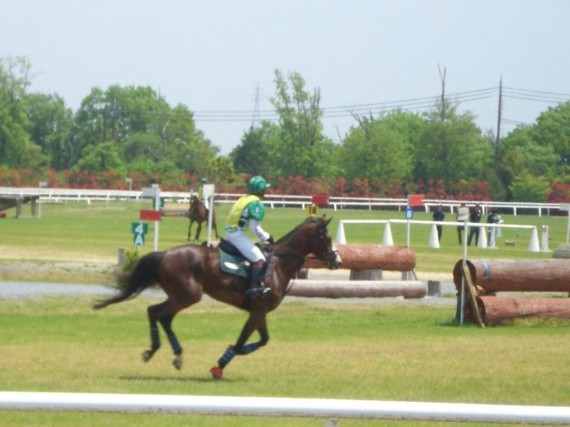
256	96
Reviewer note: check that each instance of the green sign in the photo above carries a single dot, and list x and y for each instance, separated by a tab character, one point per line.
139	230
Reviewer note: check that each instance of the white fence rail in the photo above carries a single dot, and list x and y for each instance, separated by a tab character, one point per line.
273	200
481	243
281	407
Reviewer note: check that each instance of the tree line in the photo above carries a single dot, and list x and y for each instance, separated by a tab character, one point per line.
126	131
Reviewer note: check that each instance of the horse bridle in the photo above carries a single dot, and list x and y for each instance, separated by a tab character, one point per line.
324	257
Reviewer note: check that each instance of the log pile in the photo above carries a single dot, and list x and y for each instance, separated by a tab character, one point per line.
364	262
484	278
358	288
371	257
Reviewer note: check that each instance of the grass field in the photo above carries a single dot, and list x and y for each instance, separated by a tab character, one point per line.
78	232
383	351
330	350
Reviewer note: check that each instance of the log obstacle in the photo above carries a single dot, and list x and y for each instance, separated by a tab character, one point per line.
483	278
358	289
490	276
498	309
371	257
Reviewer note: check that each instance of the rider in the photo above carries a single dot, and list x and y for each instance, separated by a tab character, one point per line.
249	210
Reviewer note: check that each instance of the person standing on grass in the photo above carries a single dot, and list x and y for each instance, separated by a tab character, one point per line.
474	216
439	216
461	216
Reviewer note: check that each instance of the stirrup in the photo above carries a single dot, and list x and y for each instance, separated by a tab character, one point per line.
258	291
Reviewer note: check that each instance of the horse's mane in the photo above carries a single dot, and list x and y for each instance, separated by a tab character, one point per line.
293	231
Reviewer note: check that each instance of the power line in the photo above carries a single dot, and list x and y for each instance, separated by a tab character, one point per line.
411	104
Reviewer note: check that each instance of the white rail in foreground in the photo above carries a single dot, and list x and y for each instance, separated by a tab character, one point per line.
275	407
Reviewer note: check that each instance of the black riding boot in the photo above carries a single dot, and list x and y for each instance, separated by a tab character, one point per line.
255	288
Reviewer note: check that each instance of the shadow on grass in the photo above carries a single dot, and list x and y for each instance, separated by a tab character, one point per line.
172	378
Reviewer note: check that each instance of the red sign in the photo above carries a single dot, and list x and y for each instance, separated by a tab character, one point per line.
415	200
150	215
320	200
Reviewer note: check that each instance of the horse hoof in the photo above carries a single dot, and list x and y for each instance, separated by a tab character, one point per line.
177	363
147	355
217	373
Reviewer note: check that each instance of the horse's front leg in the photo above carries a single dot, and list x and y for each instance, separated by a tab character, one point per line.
240	348
190	230
198	230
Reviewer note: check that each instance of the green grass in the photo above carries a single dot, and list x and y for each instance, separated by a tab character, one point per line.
322	350
407	351
79	232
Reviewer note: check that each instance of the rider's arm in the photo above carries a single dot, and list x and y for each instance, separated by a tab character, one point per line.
255	227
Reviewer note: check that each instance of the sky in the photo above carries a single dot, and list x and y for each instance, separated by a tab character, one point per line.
364	56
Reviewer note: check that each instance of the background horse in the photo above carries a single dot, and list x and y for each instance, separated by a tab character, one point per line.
186	272
199	214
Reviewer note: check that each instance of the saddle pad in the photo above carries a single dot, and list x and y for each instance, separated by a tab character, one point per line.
234	264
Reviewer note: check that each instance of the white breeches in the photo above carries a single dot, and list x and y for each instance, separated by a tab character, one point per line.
240	240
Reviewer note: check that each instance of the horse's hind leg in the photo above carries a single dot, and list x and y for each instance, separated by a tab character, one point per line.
166	323
163	313
154	334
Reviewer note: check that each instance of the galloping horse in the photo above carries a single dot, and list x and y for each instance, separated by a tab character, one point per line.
198	213
186	272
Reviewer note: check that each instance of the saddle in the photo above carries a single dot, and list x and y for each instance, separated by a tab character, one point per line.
232	261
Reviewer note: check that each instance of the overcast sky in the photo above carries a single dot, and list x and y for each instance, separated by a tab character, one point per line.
211	55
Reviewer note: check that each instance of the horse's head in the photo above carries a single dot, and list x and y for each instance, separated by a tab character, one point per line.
323	246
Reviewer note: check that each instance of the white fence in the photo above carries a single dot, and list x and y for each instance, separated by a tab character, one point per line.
284	407
273	200
433	242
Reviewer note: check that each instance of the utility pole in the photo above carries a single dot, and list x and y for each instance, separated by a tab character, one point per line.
498	137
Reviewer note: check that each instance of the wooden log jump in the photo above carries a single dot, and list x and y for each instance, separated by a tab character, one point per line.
486	277
498	309
490	276
358	289
371	257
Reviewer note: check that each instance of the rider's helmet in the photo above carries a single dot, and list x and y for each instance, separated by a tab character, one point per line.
257	185
203	181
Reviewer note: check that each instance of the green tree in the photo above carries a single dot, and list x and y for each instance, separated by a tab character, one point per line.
100	158
252	155
528	188
145	130
552	129
519	155
302	149
452	149
16	148
49	125
377	149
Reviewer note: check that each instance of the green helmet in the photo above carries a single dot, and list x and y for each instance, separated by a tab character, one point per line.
257	185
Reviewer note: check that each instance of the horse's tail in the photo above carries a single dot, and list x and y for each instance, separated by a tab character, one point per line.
130	285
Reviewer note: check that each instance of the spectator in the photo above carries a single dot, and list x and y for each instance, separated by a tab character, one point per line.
493	218
461	216
474	217
438	215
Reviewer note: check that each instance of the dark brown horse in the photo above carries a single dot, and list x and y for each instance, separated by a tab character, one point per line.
186	272
199	214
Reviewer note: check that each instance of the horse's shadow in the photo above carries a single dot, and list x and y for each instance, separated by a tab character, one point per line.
168	378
